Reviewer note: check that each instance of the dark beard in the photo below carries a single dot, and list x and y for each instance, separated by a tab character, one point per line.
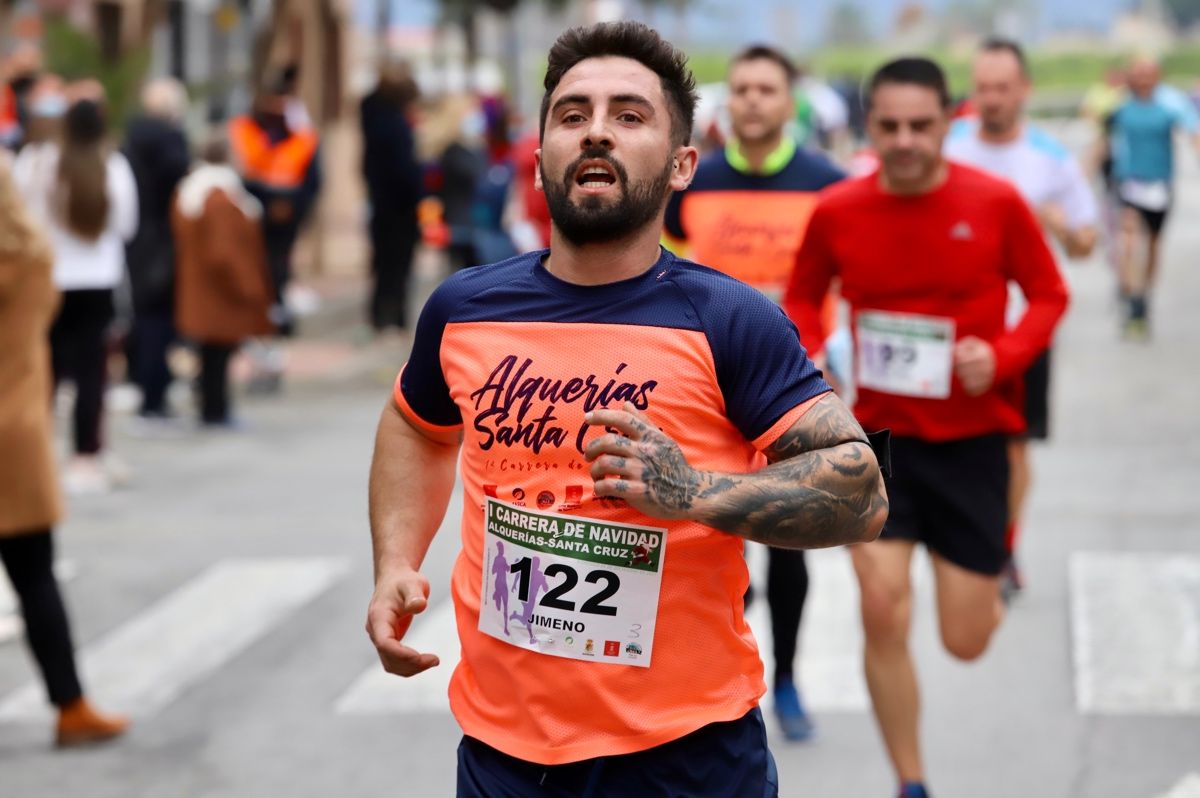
594	220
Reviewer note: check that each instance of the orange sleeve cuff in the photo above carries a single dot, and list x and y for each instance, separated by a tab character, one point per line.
785	422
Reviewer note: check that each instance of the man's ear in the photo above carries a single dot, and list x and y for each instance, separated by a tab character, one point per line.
537	169
683	163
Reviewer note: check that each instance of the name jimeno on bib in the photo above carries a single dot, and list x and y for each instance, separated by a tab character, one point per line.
571	586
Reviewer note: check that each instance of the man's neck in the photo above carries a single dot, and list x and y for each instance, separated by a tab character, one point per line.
757	152
923	185
603	262
1006	136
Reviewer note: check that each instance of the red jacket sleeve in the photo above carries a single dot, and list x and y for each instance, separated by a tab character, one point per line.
815	269
1031	265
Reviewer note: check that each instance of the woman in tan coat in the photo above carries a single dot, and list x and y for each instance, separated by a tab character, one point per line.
222	289
29	499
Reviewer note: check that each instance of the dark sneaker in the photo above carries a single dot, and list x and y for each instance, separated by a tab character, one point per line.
913	789
790	712
1011	582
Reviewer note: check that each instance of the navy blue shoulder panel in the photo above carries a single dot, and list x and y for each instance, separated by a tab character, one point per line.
762	369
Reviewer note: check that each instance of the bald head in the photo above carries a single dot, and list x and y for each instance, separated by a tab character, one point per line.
165	98
1144	74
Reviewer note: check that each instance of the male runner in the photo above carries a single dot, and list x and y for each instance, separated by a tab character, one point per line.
745	214
1141	140
627	393
925	249
1000	140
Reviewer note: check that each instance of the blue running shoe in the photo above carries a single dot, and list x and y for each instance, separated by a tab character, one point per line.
913	789
793	719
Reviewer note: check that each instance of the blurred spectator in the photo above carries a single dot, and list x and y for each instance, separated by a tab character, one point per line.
473	191
47	104
158	153
30	503
394	186
222	291
280	165
822	116
85	194
21	71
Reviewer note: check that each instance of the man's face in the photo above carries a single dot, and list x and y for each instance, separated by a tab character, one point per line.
999	90
907	125
760	100
608	161
1143	77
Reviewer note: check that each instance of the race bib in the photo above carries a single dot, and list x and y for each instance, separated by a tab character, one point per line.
904	353
570	586
1150	195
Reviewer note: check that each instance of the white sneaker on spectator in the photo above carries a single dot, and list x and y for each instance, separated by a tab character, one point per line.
85	476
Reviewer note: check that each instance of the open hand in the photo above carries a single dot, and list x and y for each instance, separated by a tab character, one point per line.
398	597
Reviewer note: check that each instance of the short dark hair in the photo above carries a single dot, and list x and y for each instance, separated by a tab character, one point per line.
627	40
914	70
999	44
765	52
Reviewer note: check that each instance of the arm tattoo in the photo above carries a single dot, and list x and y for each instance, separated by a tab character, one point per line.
823	487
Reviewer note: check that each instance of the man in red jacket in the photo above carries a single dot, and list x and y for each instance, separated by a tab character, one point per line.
925	250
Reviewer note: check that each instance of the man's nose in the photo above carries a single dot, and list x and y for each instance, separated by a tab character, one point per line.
598	133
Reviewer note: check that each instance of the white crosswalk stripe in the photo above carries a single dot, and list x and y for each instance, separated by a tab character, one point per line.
145	663
1136	629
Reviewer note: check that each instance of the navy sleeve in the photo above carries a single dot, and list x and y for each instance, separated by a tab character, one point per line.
762	368
673	223
423	383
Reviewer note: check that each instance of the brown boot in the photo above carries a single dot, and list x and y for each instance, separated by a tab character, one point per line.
79	724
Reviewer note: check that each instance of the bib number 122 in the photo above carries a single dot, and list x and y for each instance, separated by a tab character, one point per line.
529	580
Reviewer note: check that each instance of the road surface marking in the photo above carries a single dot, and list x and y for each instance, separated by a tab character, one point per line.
1135	623
148	661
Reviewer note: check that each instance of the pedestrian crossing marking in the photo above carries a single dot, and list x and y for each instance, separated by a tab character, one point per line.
1135	624
147	662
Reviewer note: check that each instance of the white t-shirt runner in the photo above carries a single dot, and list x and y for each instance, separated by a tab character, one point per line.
1041	168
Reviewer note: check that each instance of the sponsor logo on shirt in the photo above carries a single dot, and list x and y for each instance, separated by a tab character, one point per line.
612	648
962	232
518	495
545	499
516	408
589	648
633	650
574	499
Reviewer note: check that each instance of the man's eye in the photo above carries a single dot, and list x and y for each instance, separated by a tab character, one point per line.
572	118
629	117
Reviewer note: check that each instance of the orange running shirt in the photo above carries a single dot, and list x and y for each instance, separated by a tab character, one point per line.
514	357
750	225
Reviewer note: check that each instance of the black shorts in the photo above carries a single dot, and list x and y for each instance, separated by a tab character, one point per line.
1154	220
953	497
1037	399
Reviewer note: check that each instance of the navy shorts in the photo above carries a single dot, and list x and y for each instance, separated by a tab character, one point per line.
720	760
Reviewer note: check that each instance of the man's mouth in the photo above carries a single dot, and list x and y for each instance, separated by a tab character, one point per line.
595	174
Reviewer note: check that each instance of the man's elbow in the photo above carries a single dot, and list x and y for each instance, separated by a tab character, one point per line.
878	515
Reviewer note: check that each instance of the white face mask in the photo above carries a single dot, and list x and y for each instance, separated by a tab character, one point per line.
473	125
49	106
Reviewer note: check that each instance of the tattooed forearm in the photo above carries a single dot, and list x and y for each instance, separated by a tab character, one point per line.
823	487
825	498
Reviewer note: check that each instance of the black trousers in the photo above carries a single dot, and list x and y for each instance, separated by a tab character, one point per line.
152	336
29	559
393	242
214	382
787	589
79	352
280	241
